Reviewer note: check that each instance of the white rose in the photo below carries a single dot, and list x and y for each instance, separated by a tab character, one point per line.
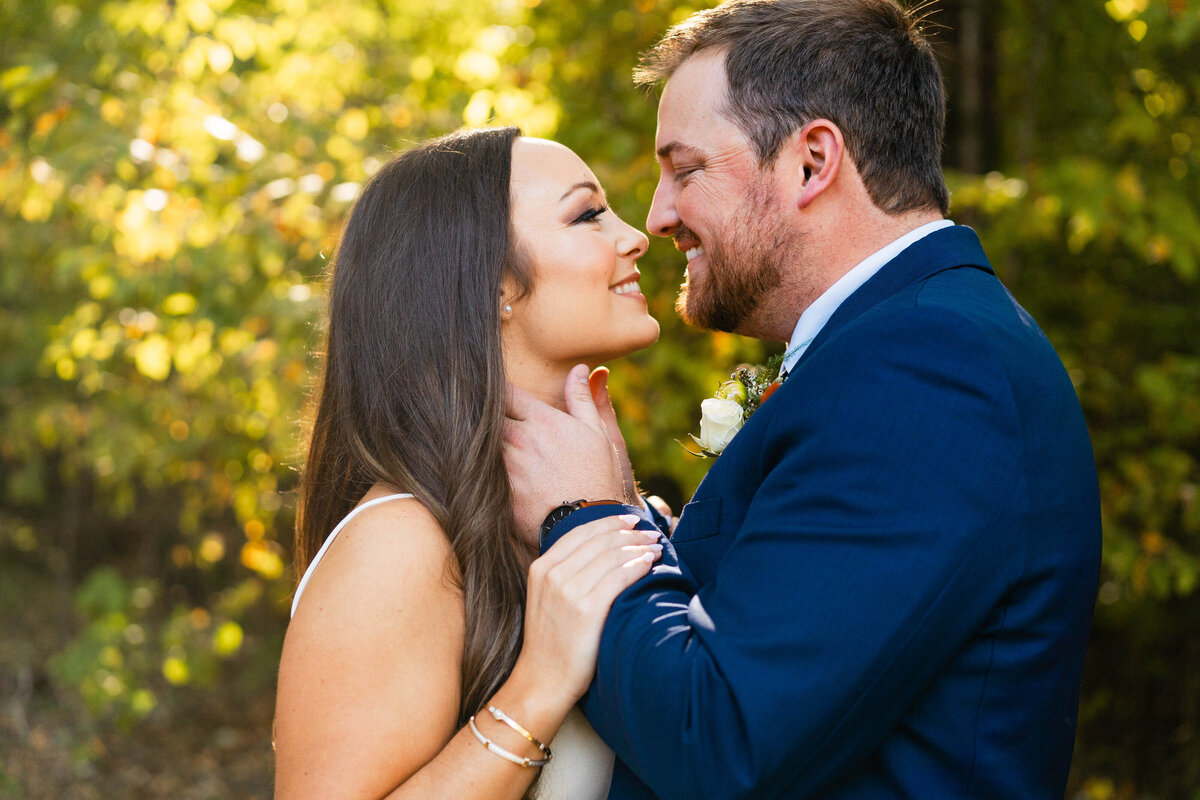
719	421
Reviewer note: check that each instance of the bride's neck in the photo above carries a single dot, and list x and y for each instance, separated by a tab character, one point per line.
544	381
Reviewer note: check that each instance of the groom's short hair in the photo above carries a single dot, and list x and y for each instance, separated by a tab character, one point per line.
865	65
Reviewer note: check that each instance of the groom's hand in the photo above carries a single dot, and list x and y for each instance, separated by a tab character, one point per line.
554	457
598	383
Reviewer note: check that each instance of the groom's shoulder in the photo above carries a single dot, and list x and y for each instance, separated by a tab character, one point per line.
925	322
900	354
981	303
958	308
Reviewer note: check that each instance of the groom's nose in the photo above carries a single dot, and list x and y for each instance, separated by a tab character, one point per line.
663	219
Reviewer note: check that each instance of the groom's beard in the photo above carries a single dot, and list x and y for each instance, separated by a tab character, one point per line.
743	269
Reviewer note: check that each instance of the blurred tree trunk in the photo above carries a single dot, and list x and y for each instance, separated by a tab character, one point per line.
971	89
1039	15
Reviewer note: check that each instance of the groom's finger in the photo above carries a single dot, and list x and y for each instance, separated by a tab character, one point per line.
510	431
520	404
598	383
580	404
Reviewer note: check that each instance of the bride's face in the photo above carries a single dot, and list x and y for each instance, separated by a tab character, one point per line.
585	304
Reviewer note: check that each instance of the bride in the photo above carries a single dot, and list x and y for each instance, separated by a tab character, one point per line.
431	653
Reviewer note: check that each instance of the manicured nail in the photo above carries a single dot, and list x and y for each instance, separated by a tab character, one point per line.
630	519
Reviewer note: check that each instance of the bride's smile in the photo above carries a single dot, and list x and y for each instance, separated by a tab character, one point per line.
629	286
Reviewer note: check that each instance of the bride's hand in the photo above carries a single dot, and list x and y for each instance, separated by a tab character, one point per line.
571	589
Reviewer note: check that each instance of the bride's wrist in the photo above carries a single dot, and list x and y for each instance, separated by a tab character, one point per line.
534	701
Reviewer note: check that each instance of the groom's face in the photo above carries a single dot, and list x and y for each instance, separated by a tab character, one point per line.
718	206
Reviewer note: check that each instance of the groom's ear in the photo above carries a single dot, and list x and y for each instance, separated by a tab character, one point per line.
818	149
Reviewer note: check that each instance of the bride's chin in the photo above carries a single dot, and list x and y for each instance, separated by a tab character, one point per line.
635	345
651	336
617	347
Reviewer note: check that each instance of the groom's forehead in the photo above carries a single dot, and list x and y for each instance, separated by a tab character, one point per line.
694	94
691	132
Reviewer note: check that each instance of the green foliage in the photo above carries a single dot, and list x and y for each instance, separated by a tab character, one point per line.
131	652
108	664
172	179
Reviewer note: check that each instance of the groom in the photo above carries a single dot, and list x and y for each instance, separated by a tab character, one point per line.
883	586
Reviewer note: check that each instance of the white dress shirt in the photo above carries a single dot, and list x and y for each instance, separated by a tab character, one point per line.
816	315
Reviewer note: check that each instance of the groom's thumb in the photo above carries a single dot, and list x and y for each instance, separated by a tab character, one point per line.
578	394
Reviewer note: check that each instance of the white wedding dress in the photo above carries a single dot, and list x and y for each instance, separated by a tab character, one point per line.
582	765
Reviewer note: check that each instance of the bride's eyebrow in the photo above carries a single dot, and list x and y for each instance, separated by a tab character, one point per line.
589	185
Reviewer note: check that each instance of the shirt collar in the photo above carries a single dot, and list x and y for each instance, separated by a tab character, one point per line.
816	315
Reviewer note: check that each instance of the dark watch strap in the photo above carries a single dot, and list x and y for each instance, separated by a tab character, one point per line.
560	513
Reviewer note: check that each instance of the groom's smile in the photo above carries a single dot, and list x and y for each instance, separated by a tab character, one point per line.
687	243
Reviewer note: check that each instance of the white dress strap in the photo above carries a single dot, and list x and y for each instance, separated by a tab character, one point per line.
329	540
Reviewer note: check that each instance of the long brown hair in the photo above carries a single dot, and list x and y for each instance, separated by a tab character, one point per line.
413	391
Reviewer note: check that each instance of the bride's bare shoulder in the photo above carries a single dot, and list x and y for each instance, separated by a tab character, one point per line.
369	675
389	554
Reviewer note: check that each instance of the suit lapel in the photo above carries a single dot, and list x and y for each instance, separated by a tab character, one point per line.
948	248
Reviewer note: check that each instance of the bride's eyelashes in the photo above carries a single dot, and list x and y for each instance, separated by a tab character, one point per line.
590	214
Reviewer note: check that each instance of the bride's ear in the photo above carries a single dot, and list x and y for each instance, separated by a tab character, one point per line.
508	299
818	150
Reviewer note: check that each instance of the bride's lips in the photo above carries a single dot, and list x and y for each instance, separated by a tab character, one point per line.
627	286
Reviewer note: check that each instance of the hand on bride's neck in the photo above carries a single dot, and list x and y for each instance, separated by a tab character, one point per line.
544	381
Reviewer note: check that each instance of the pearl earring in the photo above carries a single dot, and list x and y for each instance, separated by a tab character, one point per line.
507	309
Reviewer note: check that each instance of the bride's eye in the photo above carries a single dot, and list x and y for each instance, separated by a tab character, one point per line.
591	214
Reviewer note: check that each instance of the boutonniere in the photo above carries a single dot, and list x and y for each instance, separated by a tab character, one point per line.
724	414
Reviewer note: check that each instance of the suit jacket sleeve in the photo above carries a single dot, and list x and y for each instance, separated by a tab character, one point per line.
878	539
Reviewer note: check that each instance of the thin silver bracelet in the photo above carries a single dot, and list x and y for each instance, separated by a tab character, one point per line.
520	761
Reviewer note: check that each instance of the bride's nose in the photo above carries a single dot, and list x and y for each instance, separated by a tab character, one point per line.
631	243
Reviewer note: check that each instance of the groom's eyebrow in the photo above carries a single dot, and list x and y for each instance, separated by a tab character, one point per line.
671	148
581	185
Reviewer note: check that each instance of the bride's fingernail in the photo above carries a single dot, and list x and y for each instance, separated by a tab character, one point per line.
630	519
649	558
655	547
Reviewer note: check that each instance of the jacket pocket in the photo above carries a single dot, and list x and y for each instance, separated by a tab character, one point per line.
700	519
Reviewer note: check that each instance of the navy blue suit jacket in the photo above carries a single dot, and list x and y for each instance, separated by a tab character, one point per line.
883	587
